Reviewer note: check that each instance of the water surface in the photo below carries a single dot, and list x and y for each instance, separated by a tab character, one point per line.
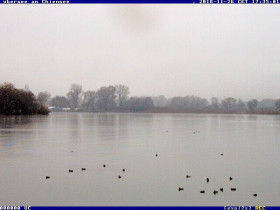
32	148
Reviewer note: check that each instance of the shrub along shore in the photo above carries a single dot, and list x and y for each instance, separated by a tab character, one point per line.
15	101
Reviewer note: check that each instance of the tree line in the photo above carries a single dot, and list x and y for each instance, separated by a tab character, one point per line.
105	99
116	98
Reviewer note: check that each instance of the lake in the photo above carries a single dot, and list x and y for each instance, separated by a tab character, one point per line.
32	148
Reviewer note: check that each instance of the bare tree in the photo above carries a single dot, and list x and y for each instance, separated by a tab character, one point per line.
229	104
277	104
240	105
122	92
106	98
43	97
215	103
252	104
74	95
89	100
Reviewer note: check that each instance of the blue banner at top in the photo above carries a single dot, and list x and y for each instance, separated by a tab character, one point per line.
139	1
139	207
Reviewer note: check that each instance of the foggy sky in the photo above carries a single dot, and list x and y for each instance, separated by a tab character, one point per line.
205	50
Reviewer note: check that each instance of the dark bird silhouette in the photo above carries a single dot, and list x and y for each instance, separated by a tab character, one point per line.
202	191
233	189
156	155
180	188
230	178
222	189
123	170
83	169
215	192
104	165
255	195
47	177
188	176
222	154
70	170
119	177
207	180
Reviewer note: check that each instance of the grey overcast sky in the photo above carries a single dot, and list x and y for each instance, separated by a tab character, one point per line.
205	50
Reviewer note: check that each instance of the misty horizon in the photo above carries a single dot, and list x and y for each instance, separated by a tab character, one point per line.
26	86
173	50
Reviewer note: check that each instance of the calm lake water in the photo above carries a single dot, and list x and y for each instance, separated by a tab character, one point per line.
32	148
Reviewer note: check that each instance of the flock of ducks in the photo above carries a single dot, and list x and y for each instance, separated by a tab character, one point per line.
180	188
83	169
215	191
207	181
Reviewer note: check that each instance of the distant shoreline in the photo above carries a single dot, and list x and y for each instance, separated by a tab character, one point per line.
174	112
14	101
143	112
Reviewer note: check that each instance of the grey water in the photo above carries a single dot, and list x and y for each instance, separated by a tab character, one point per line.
32	148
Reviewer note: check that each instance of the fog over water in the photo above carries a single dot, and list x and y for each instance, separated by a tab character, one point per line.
205	50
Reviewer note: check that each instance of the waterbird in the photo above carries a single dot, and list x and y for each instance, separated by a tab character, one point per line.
222	189
207	180
156	155
222	154
230	178
119	177
255	195
47	177
83	169
188	176
180	188
70	170
215	192
202	191
123	170
104	165
233	189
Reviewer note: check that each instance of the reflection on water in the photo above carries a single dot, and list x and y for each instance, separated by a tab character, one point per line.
32	148
13	122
